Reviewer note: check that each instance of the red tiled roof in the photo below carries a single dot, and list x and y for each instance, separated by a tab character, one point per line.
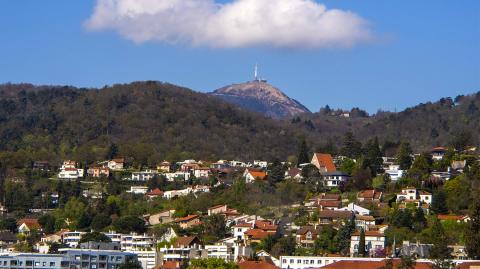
245	225
265	225
256	265
450	217
368	264
468	265
325	160
369	233
185	241
31	223
187	218
169	265
335	214
257	234
257	174
330	203
155	192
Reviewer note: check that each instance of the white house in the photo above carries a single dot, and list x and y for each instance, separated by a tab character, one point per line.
262	164
374	240
143	175
201	172
394	172
356	209
177	175
138	189
335	178
116	164
71	173
251	175
411	194
239	230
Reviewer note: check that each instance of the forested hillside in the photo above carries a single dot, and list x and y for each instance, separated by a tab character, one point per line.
445	122
148	121
152	121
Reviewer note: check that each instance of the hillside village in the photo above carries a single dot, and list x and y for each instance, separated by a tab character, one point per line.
322	211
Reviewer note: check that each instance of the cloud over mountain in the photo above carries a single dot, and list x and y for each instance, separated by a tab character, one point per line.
240	23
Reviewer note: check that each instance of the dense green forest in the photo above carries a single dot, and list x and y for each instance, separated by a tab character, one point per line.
151	121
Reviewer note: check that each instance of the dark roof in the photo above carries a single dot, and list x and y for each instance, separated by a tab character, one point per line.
186	241
335	173
306	229
335	214
7	236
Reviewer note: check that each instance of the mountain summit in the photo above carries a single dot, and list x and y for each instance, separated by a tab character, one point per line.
258	95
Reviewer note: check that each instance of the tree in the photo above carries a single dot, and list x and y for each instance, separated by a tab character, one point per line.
100	221
472	233
351	147
276	173
407	262
112	151
439	202
419	220
440	252
212	263
404	156
343	237
48	223
214	227
324	241
131	264
361	244
303	156
373	156
127	224
95	237
421	167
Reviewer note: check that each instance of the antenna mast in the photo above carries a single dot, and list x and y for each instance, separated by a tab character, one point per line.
256	72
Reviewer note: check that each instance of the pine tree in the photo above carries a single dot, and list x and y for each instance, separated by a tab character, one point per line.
373	156
361	244
439	202
276	173
404	156
303	152
440	252
419	220
472	234
112	151
351	147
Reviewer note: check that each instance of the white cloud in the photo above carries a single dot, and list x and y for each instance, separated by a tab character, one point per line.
240	23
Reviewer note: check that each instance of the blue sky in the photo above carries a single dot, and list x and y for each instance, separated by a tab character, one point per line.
422	51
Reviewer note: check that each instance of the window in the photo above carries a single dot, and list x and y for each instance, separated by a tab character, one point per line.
52	264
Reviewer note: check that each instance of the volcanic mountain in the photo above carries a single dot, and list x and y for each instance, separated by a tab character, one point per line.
259	96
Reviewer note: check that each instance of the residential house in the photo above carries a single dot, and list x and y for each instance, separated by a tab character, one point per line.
262	264
98	172
364	222
328	204
116	164
41	166
188	221
327	217
138	190
144	175
458	166
438	153
294	173
394	172
7	239
179	175
356	209
222	210
154	194
412	195
315	201
251	175
201	172
25	226
335	179
255	236
369	263
324	162
184	249
306	236
374	241
69	170
261	164
164	167
370	196
456	218
240	229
